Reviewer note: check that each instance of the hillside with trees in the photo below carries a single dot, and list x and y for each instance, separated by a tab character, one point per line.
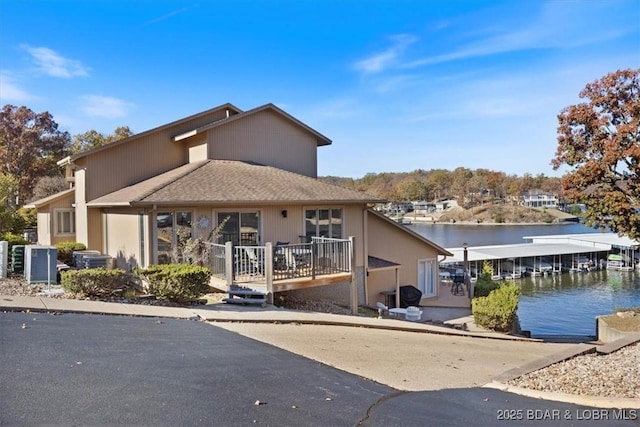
468	187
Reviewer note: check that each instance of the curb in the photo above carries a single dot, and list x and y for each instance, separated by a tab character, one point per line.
500	381
593	401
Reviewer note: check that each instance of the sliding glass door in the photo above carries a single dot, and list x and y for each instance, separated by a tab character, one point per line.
240	228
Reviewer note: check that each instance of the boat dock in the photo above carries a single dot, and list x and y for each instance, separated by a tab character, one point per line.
550	254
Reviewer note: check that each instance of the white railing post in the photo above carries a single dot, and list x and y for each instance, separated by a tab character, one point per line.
268	270
354	279
228	262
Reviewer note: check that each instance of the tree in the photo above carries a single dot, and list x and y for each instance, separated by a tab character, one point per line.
7	209
48	186
30	145
93	139
600	140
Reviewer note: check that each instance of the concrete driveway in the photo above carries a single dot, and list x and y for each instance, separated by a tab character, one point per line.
403	360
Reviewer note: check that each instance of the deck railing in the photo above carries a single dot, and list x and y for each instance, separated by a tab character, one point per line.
264	264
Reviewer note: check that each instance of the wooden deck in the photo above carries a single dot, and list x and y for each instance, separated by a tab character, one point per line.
288	284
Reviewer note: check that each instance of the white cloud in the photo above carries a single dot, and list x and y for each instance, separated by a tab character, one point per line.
557	25
10	90
168	15
381	61
53	64
104	106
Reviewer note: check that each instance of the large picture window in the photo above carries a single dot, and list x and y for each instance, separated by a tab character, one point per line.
323	222
172	231
240	228
64	221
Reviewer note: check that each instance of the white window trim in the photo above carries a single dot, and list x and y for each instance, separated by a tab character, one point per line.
72	221
317	208
434	277
215	222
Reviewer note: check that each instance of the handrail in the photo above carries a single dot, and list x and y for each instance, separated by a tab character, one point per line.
253	264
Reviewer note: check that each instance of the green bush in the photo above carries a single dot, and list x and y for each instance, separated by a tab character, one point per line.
483	287
14	239
94	282
498	310
178	282
65	251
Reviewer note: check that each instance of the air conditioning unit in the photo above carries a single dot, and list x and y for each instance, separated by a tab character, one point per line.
97	261
40	264
79	255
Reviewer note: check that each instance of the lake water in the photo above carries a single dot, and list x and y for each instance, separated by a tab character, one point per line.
564	304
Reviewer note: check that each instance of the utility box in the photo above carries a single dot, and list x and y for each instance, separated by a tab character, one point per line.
17	259
4	259
40	264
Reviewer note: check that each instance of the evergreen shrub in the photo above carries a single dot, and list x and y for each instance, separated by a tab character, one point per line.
177	282
497	311
94	282
14	239
66	249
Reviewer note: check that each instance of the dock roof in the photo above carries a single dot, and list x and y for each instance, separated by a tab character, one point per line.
545	246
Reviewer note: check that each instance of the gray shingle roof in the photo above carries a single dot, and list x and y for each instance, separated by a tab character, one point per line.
229	181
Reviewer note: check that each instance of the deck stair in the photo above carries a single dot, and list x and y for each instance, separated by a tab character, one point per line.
246	295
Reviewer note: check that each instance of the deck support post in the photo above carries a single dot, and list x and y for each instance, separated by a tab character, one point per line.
354	279
268	262
228	263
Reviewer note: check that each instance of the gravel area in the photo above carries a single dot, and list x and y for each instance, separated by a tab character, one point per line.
612	375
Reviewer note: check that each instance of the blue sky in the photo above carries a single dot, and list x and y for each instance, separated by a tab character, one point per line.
397	85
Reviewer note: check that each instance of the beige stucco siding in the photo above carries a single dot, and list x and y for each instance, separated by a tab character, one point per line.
122	237
267	138
82	227
391	243
44	227
197	147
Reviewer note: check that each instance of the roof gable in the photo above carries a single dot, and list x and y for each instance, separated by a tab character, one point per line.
320	138
50	199
228	107
438	248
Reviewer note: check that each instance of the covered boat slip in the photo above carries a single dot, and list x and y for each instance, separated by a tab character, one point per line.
578	249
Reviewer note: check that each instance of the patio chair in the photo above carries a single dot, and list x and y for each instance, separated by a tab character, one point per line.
290	260
253	262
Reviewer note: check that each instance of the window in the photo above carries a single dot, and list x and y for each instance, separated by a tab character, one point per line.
427	277
64	221
240	228
172	231
323	223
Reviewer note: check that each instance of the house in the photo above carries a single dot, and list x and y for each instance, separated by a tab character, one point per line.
252	177
539	199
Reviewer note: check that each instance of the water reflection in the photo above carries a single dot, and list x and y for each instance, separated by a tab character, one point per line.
564	304
567	304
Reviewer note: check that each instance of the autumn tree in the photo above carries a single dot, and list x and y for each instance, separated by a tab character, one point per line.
48	186
7	209
30	145
93	139
600	140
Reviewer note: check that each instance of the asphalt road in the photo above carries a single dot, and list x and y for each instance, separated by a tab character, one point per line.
74	369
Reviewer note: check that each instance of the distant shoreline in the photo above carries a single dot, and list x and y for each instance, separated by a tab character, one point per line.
430	221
